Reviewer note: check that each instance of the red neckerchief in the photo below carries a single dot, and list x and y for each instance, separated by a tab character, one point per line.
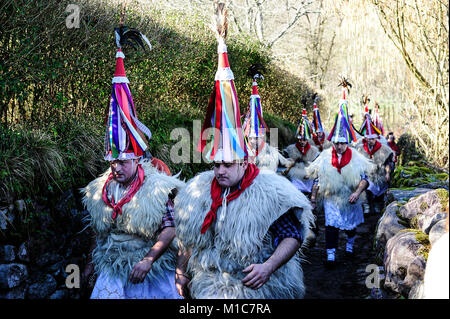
303	150
135	185
345	159
319	141
375	148
216	194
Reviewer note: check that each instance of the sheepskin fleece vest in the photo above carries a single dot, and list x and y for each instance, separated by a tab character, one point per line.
242	238
298	171
337	187
378	176
123	242
269	158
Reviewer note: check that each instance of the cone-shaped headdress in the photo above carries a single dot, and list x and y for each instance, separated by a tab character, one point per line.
377	121
222	114
368	129
342	131
124	137
304	129
254	124
317	123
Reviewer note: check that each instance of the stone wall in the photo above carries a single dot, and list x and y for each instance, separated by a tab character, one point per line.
36	267
410	225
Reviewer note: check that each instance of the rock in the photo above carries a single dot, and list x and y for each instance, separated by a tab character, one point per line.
60	294
416	272
16	293
434	220
7	253
22	254
398	194
403	262
437	231
416	291
20	205
56	269
45	287
12	275
428	204
388	225
48	259
4	219
435	185
67	202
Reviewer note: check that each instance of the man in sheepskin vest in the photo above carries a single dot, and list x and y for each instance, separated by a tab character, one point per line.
302	153
238	230
340	176
238	227
261	153
131	209
382	155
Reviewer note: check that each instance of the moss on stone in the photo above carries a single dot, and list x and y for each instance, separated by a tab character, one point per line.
424	206
414	222
441	176
422	238
442	193
418	181
424	252
404	188
402	220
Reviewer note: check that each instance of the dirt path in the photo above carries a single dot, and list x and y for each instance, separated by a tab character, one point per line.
347	279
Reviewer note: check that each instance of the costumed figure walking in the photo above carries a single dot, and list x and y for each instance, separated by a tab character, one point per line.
340	176
383	156
131	204
319	135
263	155
302	154
239	228
393	146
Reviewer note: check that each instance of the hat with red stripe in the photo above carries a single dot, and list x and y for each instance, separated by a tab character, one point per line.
124	138
223	115
342	131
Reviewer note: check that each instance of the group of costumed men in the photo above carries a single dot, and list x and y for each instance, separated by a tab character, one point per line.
238	230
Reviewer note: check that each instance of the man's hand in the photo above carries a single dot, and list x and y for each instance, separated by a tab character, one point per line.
181	282
313	204
258	275
388	177
140	270
353	197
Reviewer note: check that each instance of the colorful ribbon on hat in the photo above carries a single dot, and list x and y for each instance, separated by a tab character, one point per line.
223	115
342	125
123	127
368	128
316	119
304	127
